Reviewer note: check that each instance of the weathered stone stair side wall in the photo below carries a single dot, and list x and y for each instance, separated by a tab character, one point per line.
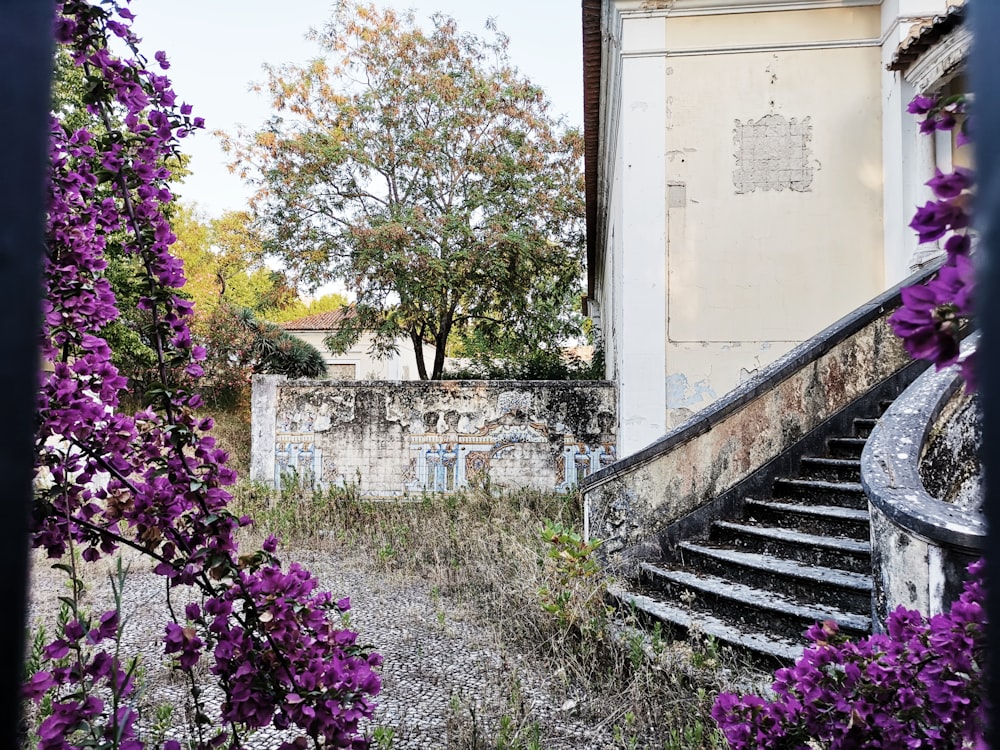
921	474
630	503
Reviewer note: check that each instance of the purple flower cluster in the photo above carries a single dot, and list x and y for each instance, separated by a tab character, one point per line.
155	480
935	315
316	663
942	114
919	685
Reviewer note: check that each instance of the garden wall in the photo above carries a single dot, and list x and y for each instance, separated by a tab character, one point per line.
398	438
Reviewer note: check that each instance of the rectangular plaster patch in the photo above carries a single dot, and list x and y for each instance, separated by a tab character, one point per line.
772	153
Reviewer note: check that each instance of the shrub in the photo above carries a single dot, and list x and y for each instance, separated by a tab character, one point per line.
918	685
155	481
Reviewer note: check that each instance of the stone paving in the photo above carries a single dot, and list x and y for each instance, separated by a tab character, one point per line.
446	681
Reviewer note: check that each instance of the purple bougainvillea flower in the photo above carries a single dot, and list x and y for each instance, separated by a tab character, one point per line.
935	218
955	283
921	105
926	332
958	244
951	185
39	684
945	121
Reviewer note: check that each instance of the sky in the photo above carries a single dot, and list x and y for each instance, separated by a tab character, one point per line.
216	49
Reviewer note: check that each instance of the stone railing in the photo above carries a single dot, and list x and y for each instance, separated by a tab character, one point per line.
635	505
922	477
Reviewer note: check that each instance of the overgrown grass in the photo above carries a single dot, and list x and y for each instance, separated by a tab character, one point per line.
232	428
519	559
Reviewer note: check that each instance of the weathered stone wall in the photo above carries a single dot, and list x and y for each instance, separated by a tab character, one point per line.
397	438
949	463
630	503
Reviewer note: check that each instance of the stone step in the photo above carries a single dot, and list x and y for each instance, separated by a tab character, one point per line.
681	621
809	583
744	605
845	447
831	469
813	549
812	518
846	494
863	426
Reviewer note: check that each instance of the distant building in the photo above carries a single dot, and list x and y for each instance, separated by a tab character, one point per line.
751	171
358	362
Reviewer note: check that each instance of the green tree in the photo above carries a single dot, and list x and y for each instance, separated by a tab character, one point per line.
426	173
234	292
239	345
224	262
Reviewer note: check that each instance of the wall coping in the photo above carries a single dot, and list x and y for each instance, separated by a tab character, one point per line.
778	371
314	382
890	464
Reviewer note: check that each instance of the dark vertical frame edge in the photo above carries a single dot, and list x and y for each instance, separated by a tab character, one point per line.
985	123
26	59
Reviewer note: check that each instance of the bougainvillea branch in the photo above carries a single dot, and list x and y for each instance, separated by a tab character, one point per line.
154	480
918	685
936	315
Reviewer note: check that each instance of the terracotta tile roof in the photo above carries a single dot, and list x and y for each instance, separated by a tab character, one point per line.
926	33
324	321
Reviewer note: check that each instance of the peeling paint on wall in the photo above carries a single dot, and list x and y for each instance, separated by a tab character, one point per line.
681	394
684	398
773	153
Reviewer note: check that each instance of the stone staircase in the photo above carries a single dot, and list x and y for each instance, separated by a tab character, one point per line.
796	554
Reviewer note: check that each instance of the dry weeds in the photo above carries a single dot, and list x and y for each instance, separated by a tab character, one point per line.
482	550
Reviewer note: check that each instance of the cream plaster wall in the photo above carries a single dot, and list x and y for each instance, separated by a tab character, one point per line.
399	366
748	274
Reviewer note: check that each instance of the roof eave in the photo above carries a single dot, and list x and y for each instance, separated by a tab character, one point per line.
591	16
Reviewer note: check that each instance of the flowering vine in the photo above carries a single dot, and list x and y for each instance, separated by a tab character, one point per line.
936	314
154	481
919	685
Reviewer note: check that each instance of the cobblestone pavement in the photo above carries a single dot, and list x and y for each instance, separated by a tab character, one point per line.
445	678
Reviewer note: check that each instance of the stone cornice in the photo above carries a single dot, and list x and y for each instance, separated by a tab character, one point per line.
653	8
940	62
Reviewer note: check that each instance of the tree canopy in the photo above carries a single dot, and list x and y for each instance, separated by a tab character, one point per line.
426	173
238	300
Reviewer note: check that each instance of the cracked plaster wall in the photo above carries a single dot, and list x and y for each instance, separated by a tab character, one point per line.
751	143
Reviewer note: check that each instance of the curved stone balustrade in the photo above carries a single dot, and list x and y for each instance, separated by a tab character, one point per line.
921	543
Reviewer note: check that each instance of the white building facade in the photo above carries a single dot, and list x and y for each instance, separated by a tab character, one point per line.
358	362
751	173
